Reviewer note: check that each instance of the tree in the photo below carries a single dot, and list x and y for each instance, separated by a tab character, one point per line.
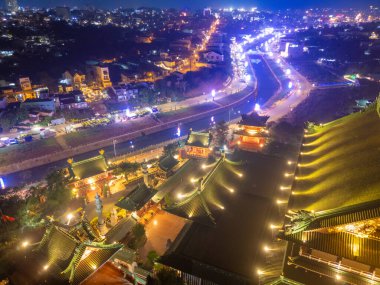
151	259
220	132
167	276
128	167
13	117
170	149
138	237
58	194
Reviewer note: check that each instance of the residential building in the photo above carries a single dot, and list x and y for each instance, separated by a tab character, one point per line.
72	100
25	84
39	104
213	56
103	76
122	92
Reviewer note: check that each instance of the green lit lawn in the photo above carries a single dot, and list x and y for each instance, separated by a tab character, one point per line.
340	165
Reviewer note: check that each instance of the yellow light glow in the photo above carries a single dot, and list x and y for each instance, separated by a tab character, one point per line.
284	188
155	222
25	243
46	267
259	272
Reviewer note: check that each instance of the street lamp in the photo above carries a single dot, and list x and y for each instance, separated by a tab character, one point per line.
259	273
213	93
114	147
69	217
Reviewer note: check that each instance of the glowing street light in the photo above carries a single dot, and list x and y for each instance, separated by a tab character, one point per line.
284	188
25	243
266	248
272	227
231	190
257	107
69	217
213	93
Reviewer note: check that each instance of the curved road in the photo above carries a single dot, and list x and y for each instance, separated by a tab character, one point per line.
265	90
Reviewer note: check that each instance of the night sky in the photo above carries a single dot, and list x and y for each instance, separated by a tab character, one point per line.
267	4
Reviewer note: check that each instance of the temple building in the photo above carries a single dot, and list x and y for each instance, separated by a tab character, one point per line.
333	222
140	197
167	166
125	259
197	145
137	198
252	133
67	254
226	204
89	174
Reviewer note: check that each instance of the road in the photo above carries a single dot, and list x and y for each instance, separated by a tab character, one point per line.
224	114
299	91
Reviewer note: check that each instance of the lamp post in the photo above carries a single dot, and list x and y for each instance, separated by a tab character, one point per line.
114	147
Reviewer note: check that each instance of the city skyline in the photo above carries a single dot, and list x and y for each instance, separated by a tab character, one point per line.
272	4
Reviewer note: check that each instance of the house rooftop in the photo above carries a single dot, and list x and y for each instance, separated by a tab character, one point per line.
137	198
198	139
254	120
89	167
226	250
339	164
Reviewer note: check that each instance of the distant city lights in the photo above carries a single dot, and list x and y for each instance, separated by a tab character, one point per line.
2	184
